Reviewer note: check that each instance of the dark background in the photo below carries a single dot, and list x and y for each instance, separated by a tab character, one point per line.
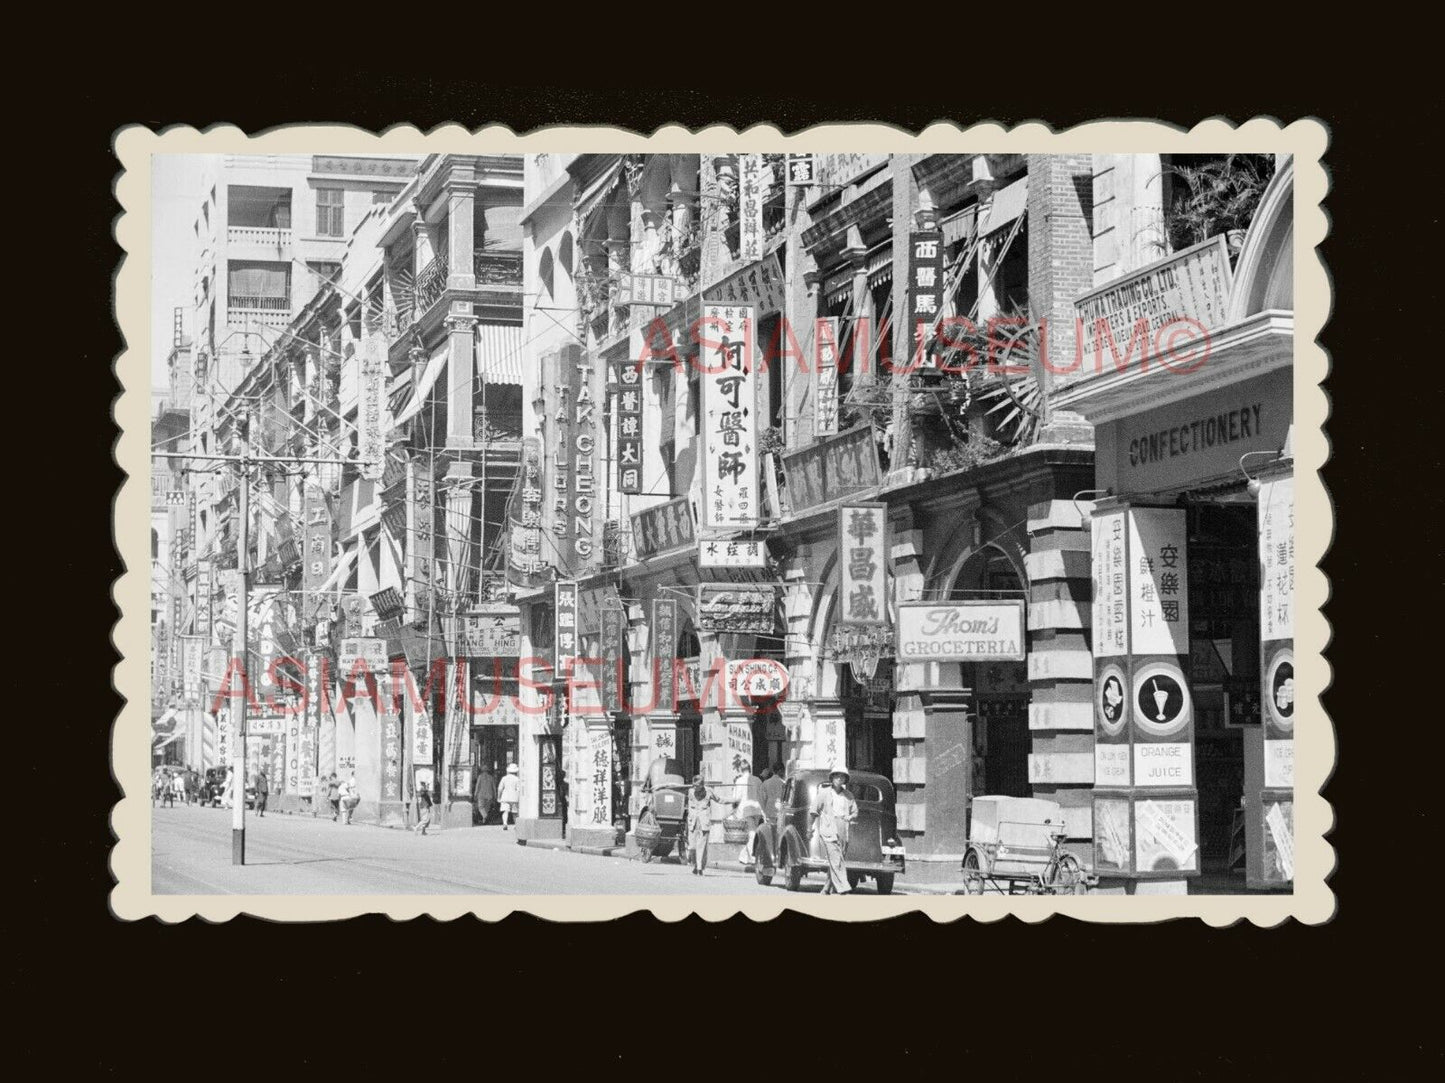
328	998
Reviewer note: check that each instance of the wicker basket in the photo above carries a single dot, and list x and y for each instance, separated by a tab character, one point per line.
647	835
735	831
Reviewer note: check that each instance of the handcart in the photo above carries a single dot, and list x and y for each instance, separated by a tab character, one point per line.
1016	847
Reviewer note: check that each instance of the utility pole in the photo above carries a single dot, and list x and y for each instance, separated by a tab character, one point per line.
243	570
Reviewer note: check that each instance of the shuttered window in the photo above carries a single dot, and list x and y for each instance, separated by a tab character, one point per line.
330	212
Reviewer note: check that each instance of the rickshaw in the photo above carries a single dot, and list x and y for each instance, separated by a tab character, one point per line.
1016	847
662	823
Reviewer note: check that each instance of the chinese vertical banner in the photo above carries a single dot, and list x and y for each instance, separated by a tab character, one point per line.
316	555
629	427
1143	709
729	429
862	559
277	767
664	651
925	287
802	169
566	639
825	409
371	391
421	738
613	622
1277	691
750	207
391	752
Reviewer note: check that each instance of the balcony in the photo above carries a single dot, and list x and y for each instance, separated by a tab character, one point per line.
258	236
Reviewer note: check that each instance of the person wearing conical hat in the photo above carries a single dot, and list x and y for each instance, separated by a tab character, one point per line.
833	814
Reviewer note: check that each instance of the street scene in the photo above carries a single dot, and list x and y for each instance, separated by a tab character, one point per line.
722	523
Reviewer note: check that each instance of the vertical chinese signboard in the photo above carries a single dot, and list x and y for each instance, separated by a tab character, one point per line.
316	555
825	411
613	621
524	554
308	760
925	286
862	549
599	780
1145	803
1277	693
750	207
566	638
391	752
629	427
730	467
371	445
664	650
802	169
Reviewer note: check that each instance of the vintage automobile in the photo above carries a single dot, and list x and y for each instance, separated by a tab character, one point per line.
665	810
785	844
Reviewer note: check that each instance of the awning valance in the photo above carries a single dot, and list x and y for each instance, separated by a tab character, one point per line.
1008	203
420	392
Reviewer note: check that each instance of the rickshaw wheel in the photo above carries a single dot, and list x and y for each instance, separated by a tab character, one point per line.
1069	877
972	873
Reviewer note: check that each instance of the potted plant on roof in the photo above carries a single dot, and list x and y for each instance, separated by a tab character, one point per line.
1221	196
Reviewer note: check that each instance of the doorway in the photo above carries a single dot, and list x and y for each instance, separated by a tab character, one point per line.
494	748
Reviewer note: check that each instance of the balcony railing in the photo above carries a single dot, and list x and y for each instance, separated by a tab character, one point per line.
430	285
258	303
258	235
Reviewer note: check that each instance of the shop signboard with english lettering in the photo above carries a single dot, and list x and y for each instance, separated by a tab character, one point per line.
964	631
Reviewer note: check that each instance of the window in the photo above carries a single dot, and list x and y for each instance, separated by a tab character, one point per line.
544	271
330	212
253	207
265	286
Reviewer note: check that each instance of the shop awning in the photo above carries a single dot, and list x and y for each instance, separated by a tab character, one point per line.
1008	203
961	227
419	393
499	353
169	738
340	573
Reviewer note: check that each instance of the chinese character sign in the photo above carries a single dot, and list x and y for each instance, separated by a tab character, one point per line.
1110	609
730	468
664	648
371	393
825	410
862	556
732	553
802	169
663	528
1276	629
1158	577
421	738
524	554
316	555
567	642
750	207
600	778
391	756
925	285
613	622
629	427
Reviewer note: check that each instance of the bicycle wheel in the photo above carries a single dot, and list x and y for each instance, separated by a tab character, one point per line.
1068	876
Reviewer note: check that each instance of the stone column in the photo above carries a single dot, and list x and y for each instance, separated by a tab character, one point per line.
796	709
461	374
1128	219
461	210
456	739
1061	667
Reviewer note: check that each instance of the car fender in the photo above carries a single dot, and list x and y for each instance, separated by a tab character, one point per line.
794	838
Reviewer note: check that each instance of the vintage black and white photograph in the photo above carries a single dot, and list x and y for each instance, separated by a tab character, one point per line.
849	522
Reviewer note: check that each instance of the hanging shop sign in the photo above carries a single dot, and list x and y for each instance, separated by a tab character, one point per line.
424	525
662	291
566	630
925	286
664	650
613	676
353	606
1111	591
524	554
802	170
1189	289
663	528
1159	574
371	446
836	170
734	607
371	651
729	431
204	589
841	466
732	553
276	769
825	409
750	207
629	427
861	647
759	286
757	678
307	774
961	631
391	755
862	556
492	631
316	555
293	755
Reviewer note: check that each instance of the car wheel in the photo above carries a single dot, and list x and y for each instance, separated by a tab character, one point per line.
763	865
885	883
792	869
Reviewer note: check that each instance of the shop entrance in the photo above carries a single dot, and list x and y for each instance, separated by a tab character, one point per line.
1223	668
493	749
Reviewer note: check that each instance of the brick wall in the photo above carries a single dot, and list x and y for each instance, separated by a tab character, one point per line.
1061	244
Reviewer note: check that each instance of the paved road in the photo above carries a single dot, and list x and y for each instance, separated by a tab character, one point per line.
297	855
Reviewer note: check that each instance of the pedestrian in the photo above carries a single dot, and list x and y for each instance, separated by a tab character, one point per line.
168	792
263	791
773	789
333	795
509	794
833	814
228	792
749	809
699	822
193	787
178	787
423	809
485	795
350	798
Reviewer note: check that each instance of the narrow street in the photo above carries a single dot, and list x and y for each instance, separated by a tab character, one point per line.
296	855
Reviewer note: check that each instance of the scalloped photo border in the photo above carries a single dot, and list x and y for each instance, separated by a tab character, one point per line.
1311	901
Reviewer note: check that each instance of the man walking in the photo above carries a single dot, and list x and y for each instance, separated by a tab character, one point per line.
509	795
263	791
423	809
833	814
